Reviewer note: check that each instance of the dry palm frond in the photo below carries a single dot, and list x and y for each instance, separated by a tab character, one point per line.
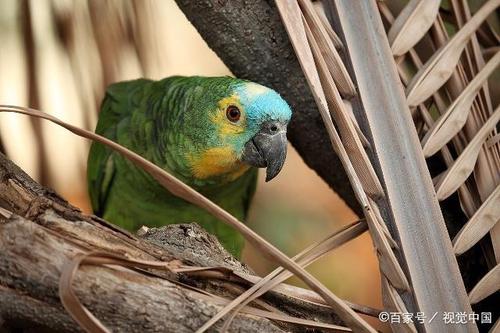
411	25
467	123
325	45
453	120
464	164
440	67
430	81
471	112
279	275
358	166
487	286
483	220
338	110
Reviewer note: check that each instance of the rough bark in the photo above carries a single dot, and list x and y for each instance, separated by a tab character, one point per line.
125	301
251	40
40	232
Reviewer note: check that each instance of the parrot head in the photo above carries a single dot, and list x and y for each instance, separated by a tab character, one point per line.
238	124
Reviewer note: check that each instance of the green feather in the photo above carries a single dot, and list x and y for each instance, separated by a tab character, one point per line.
180	124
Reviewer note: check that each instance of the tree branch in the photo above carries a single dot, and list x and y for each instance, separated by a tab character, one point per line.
40	232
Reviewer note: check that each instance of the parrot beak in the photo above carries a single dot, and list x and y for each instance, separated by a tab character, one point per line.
267	149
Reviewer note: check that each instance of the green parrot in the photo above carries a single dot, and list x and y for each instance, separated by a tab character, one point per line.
210	132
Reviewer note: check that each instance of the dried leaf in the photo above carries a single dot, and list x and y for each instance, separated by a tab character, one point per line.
70	301
332	58
279	275
489	284
291	17
464	164
411	202
466	200
452	121
279	316
412	24
496	327
479	224
387	260
395	303
351	141
441	65
302	294
5	213
383	227
305	258
295	320
362	137
308	296
324	20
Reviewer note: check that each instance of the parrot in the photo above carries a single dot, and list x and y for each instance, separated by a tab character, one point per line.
212	133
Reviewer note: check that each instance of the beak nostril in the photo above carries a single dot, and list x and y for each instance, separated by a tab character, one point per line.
267	149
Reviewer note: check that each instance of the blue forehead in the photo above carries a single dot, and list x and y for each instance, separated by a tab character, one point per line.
262	104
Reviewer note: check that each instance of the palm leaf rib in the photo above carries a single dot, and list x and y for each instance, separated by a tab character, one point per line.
467	123
469	116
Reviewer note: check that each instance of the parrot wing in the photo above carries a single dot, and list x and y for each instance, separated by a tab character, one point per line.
118	104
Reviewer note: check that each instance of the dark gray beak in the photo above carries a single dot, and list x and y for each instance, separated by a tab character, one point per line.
267	149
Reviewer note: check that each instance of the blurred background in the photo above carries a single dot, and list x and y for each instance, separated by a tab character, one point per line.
59	56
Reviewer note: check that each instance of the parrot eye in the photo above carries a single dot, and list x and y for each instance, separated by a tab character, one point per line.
233	113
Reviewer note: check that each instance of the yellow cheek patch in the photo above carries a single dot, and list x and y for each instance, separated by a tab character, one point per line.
217	162
224	125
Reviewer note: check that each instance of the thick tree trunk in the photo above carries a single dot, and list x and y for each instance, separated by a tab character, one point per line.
40	233
251	40
125	301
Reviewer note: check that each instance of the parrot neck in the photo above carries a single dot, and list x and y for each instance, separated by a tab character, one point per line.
217	165
202	169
